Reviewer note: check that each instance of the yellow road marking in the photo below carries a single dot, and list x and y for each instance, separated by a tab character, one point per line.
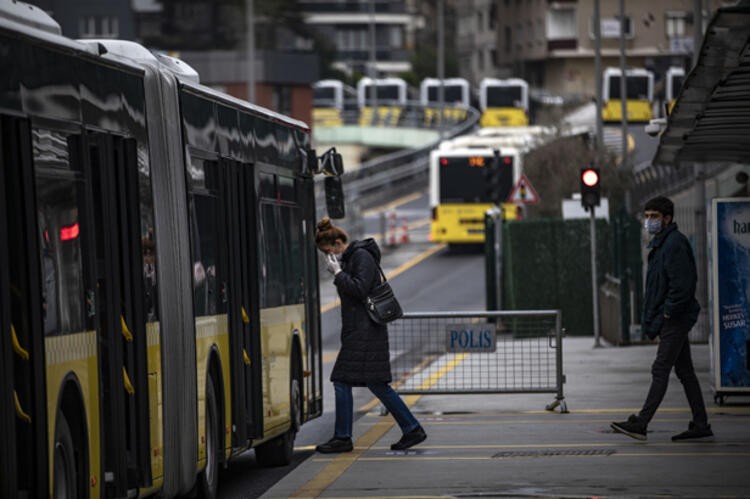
403	457
335	468
393	273
555	421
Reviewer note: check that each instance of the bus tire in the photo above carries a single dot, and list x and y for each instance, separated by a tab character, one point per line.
209	477
64	479
279	451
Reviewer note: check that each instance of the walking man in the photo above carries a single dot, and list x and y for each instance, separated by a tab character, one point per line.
669	311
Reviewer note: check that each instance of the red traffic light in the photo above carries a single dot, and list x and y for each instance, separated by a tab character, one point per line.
590	177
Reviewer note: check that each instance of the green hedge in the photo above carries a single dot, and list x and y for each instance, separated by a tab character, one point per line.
546	265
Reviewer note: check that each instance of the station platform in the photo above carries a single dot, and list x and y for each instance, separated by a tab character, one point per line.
509	445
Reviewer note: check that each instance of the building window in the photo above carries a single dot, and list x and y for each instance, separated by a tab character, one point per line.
480	59
99	27
561	24
675	23
396	37
508	39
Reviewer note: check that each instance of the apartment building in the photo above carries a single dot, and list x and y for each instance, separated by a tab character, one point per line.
476	26
551	43
346	24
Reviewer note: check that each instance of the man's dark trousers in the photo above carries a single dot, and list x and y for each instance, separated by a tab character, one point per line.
674	350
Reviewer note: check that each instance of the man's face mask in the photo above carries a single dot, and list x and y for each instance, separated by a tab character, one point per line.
652	225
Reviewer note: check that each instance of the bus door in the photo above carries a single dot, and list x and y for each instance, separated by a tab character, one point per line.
23	402
244	304
120	310
314	376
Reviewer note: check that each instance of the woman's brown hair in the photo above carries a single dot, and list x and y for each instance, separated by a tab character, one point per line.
327	233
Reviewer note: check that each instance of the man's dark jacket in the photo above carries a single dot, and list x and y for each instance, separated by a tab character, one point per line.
364	356
670	282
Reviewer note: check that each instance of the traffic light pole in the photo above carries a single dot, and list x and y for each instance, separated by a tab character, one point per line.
594	290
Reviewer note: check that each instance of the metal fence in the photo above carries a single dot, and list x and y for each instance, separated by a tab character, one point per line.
479	352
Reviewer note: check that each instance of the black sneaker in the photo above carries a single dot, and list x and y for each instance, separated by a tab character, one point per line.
633	427
694	433
335	445
410	439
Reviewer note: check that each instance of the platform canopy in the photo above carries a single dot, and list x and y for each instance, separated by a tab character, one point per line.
711	118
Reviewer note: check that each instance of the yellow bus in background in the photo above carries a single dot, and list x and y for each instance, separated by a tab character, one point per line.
329	102
460	194
456	100
381	101
639	84
503	102
673	81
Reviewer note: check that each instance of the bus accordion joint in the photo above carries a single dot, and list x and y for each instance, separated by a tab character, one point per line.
19	410
125	330
17	344
245	357
126	382
245	317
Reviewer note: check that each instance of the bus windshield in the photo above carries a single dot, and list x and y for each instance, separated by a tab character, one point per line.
453	94
676	85
324	96
385	92
504	96
637	87
462	179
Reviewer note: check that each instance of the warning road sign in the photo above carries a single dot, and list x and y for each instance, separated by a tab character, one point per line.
523	192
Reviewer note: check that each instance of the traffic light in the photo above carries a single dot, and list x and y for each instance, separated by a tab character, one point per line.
590	187
493	178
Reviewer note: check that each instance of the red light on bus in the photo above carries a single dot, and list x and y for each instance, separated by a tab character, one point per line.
508	160
443	161
69	232
590	177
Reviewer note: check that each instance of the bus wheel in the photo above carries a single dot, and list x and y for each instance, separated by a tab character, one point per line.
209	478
64	474
279	451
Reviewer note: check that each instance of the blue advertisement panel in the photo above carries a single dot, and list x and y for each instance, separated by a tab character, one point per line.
731	287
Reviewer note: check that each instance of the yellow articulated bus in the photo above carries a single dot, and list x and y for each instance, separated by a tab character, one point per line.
639	85
159	307
673	81
456	100
503	102
460	193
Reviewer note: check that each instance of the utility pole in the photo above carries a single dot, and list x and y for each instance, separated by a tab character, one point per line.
594	279
623	86
250	15
441	62
598	79
373	59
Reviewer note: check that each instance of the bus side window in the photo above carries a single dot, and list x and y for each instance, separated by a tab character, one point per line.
59	191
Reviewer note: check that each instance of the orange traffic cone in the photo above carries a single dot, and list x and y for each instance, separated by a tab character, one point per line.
404	239
391	231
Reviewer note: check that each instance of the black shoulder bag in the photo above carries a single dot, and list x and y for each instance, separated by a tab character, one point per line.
382	304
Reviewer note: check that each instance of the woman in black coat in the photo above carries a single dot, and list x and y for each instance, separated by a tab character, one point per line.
364	357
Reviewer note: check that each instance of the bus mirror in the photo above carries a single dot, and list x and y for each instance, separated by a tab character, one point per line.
332	163
334	197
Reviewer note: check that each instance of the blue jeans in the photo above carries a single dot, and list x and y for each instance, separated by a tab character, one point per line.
387	396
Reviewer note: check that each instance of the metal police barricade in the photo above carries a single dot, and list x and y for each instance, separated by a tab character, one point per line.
479	352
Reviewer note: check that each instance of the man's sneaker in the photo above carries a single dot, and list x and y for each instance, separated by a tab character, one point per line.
633	427
335	445
694	433
410	439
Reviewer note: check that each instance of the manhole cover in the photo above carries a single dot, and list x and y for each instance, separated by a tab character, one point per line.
553	453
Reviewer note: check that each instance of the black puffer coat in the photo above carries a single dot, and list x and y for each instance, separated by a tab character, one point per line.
364	356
